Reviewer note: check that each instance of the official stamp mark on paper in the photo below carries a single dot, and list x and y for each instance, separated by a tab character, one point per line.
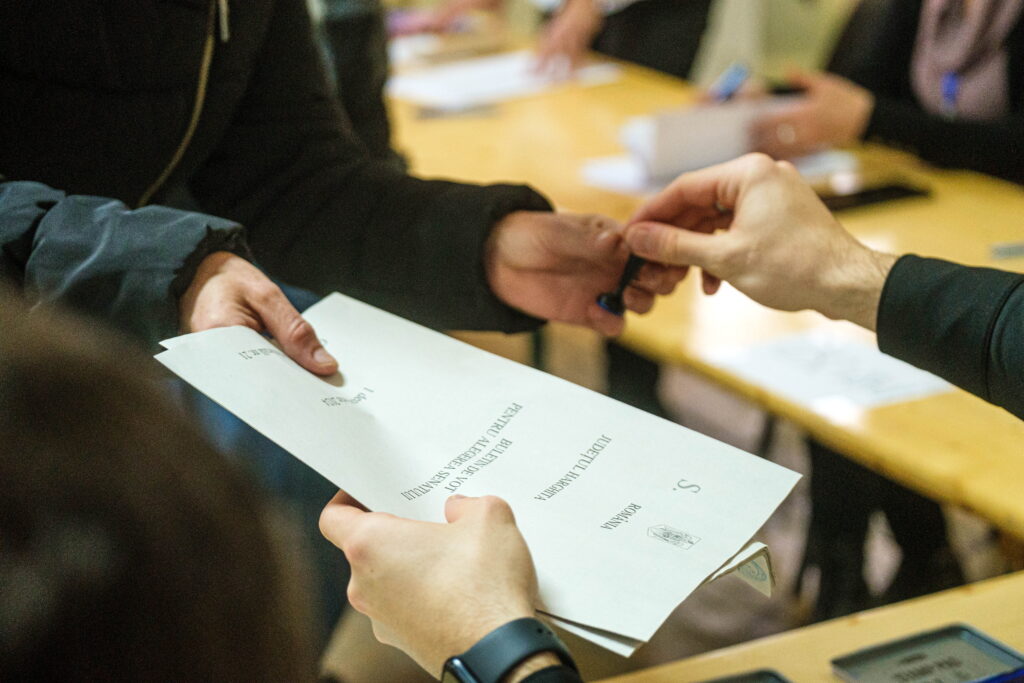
678	538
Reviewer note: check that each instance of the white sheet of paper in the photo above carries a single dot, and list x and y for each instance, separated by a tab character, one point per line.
821	371
625	514
488	80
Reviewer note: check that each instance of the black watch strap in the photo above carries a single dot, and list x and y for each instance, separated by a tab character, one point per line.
495	655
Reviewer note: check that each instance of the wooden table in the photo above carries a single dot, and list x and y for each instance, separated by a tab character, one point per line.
996	607
952	447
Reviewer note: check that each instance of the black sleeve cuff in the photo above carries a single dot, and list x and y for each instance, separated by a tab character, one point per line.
466	216
554	674
945	318
511	198
442	281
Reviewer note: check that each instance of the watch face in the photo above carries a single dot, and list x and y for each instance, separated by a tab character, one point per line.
455	671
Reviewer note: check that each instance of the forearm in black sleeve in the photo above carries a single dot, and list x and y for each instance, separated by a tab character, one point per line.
964	324
993	147
125	267
321	215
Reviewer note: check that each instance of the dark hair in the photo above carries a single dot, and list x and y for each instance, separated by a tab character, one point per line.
129	548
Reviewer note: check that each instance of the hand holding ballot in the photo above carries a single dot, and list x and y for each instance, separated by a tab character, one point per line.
625	514
228	290
471	574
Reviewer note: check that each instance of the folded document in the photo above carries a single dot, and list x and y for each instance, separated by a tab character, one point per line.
626	514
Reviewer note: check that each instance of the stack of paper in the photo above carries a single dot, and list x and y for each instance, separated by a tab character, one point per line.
488	80
625	514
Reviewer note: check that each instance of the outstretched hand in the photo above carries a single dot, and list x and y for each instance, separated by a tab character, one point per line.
755	223
228	290
554	266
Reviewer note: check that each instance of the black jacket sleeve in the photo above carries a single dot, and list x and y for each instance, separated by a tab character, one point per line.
993	147
97	256
323	216
963	324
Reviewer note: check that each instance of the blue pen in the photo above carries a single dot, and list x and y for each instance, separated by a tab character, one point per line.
730	82
950	93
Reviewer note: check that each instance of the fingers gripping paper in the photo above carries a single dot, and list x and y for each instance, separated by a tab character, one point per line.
625	514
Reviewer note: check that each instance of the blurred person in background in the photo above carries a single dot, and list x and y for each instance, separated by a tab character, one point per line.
941	78
661	34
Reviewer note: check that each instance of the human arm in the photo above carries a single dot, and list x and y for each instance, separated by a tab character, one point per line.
404	574
831	112
836	112
568	35
964	324
991	147
876	52
322	216
777	243
150	272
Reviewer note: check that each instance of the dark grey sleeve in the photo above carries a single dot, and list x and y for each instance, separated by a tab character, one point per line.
96	255
964	324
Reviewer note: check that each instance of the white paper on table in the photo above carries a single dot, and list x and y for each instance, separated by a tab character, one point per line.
488	80
822	371
417	415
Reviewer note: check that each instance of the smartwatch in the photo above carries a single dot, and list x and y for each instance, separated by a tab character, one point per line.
499	652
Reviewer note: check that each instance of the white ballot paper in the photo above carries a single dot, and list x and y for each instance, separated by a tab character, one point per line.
488	80
625	513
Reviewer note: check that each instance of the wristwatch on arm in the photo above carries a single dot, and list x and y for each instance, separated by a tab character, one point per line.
498	653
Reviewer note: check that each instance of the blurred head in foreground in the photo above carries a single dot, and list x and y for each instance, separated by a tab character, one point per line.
129	548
